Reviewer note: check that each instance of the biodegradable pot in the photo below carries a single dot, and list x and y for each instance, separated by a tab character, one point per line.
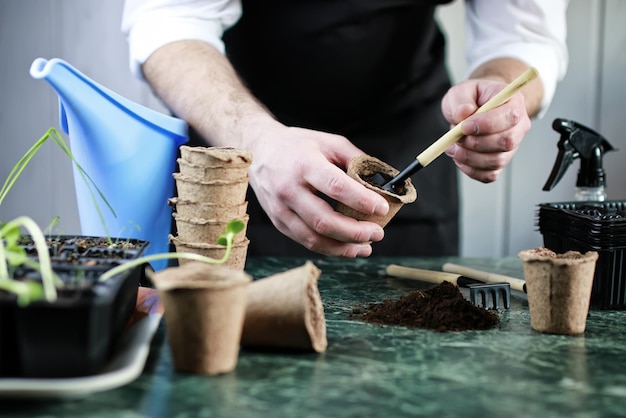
204	306
205	230
216	156
362	168
204	173
217	192
236	260
58	339
285	311
559	289
204	210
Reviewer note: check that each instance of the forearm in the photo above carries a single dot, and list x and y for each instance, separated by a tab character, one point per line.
198	84
506	70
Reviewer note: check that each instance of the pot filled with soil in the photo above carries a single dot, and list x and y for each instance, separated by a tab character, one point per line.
363	168
74	333
559	289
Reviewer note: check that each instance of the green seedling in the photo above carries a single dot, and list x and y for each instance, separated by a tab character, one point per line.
23	162
226	239
54	222
12	255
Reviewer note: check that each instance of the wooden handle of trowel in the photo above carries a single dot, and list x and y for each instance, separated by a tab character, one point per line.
428	276
454	134
516	284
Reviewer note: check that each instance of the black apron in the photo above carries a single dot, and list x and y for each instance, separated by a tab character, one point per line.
371	70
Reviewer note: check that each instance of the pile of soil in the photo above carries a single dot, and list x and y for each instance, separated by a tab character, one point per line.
441	308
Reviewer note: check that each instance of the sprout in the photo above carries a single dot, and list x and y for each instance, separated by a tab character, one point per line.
226	239
12	254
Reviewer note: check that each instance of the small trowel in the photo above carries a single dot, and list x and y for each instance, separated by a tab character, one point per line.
453	135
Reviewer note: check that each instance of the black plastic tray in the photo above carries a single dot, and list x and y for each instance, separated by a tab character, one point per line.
591	226
74	335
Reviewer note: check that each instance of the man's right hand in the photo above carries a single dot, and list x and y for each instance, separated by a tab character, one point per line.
291	168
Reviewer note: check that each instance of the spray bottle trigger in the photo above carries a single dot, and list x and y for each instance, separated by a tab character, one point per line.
567	152
564	159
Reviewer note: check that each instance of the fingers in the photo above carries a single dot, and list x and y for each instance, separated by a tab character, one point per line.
310	220
292	224
485	168
335	184
491	138
508	117
484	155
288	180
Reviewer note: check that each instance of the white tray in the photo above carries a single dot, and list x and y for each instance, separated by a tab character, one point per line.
125	366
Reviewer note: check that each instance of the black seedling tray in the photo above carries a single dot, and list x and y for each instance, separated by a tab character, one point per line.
76	334
591	226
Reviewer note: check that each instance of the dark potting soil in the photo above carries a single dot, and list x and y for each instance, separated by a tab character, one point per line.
441	308
79	260
398	189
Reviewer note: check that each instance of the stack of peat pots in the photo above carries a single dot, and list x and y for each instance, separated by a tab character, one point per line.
211	184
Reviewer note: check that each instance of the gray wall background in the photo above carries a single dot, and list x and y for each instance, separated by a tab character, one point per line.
498	219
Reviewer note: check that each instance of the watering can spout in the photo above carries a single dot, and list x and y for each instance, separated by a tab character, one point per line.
128	150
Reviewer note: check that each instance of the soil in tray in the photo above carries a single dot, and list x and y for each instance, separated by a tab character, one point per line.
93	247
441	308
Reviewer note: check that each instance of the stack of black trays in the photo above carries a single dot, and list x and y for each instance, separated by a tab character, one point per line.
591	226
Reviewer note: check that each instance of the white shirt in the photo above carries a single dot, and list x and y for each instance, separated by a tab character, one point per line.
533	31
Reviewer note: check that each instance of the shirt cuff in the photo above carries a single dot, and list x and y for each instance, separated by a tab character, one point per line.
148	35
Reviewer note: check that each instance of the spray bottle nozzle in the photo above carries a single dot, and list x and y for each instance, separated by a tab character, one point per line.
579	141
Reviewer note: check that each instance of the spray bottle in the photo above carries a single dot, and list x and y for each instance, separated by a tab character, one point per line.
578	141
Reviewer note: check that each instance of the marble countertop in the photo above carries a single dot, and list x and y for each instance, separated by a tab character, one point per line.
385	371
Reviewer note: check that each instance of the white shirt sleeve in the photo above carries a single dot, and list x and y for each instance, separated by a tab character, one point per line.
533	31
150	24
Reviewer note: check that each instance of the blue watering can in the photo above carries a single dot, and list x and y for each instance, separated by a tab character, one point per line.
128	150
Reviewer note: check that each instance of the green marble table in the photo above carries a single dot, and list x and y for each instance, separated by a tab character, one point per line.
385	371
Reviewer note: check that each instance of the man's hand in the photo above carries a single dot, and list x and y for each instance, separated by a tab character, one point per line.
292	168
491	138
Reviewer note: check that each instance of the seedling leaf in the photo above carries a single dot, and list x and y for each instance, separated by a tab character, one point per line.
26	292
13	254
53	134
232	228
227	238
